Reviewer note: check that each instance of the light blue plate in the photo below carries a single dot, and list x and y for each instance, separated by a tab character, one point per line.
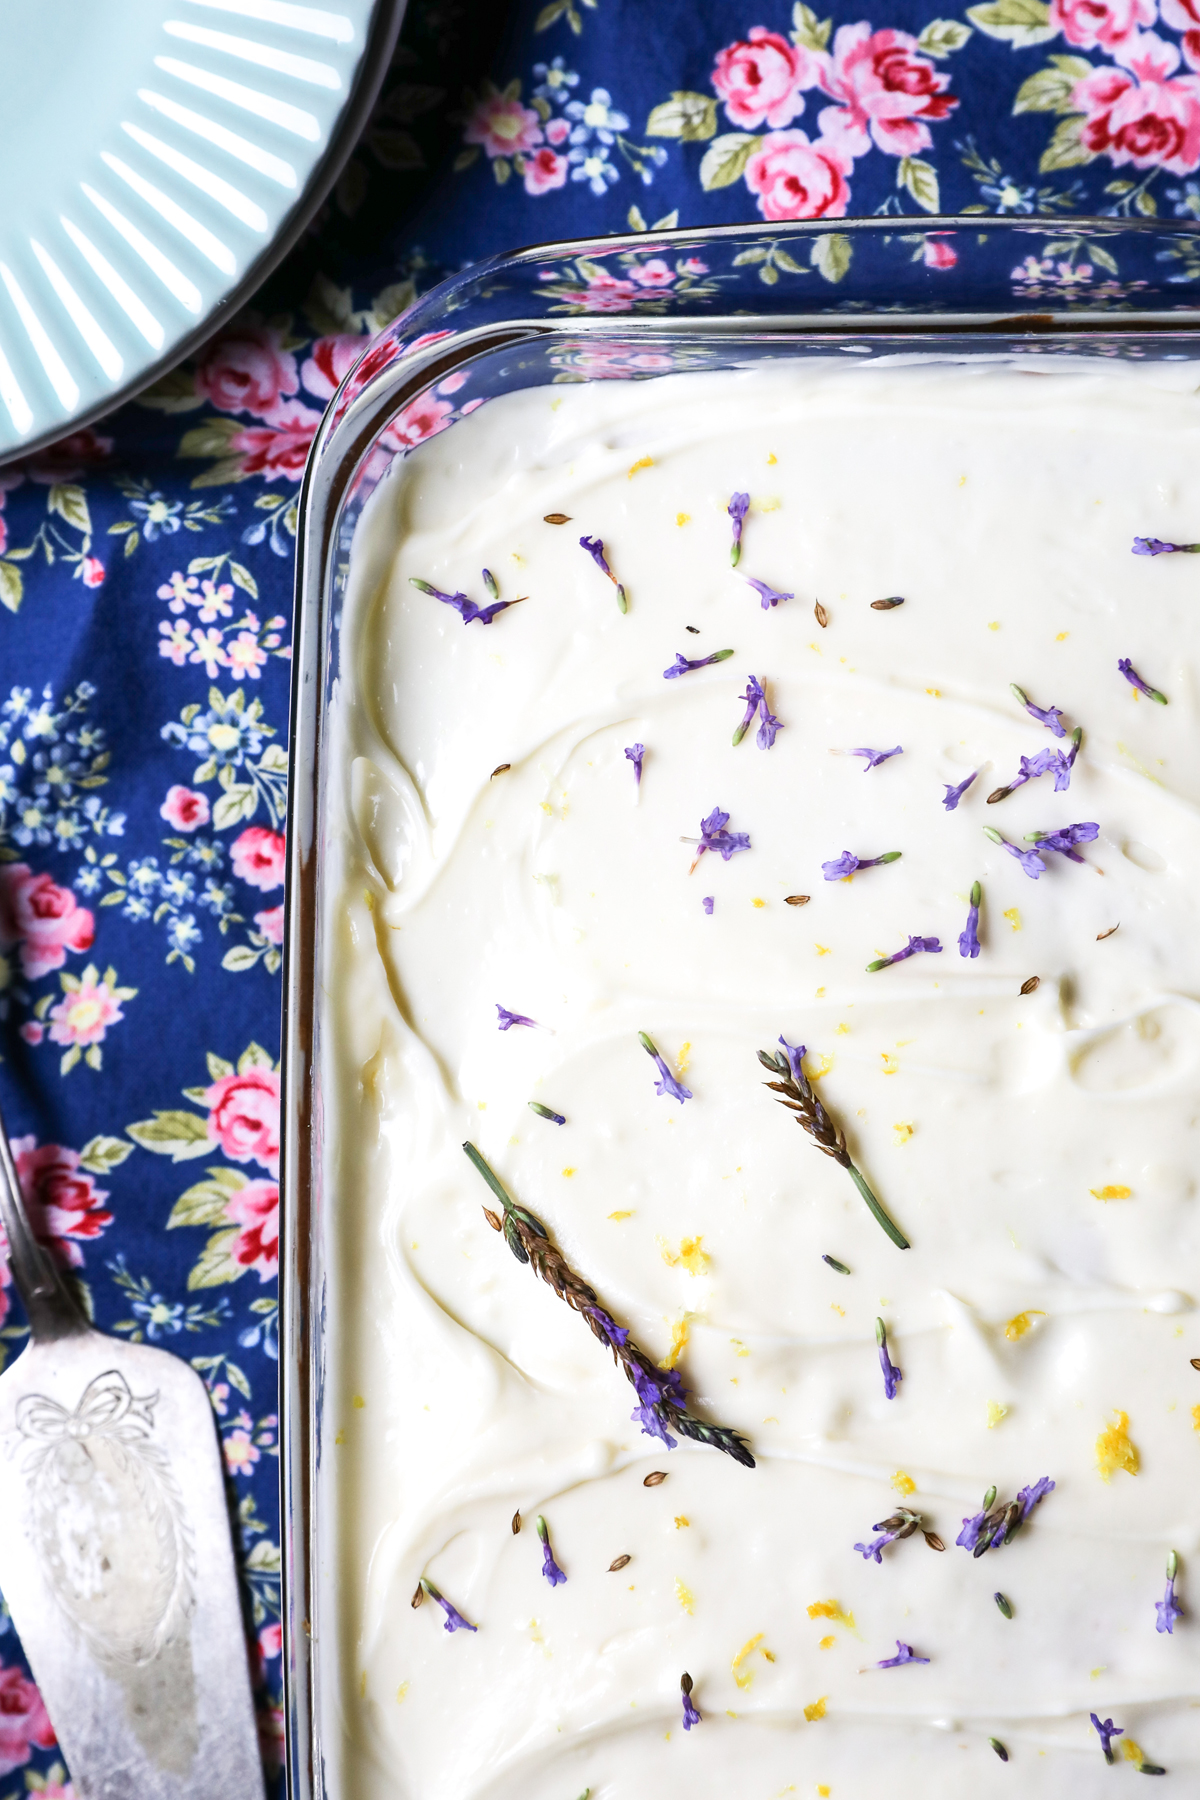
159	157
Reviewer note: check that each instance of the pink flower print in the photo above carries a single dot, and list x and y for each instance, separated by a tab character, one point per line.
270	923
33	1033
208	650
422	418
270	1641
219	1395
655	273
502	125
87	1009
1182	15
243	1117
175	640
1103	23
54	1786
185	809
24	1721
63	1201
886	91
558	131
43	918
1151	121
258	857
937	254
691	265
69	458
246	369
798	180
760	79
93	572
215	600
545	169
179	589
244	657
452	383
240	1454
255	1208
329	362
280	449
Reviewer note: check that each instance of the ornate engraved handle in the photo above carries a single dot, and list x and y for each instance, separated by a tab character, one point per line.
51	1309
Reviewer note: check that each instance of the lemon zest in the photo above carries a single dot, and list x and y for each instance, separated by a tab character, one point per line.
1114	1450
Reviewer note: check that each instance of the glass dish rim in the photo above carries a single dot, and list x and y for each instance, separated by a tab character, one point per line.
351	425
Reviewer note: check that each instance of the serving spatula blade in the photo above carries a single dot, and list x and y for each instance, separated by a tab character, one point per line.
116	1558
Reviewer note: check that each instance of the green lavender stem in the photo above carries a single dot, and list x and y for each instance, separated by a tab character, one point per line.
877	1213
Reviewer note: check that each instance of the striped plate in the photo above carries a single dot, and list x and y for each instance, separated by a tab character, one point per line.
157	157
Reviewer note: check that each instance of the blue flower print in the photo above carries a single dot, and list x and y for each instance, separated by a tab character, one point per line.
1186	200
157	514
1004	196
593	167
596	118
554	80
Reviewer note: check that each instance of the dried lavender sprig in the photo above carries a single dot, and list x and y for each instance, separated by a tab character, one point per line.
1151	546
660	1392
901	1525
995	1525
1143	687
796	1093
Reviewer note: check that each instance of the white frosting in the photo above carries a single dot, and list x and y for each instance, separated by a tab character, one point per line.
1001	502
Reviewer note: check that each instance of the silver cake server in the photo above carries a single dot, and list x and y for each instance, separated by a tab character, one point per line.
115	1552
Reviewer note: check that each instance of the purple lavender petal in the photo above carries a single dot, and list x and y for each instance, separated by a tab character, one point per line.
616	1334
1050	716
595	549
876	1546
737	509
841	867
968	940
795	1054
1151	546
915	946
1030	1497
454	1620
905	1654
668	1086
875	757
768	595
1167	1610
955	794
1134	679
683	664
550	1568
635	753
714	836
768	727
1065	840
968	1537
752	696
690	1715
707	903
892	1376
1029	860
509	1019
1108	1731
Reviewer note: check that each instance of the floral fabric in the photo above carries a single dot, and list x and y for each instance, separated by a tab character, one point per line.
146	575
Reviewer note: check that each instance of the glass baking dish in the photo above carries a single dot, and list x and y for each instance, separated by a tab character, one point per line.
629	309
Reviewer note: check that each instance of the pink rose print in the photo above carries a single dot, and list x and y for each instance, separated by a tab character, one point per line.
798	180
885	90
270	1641
1181	15
545	169
655	273
558	131
93	571
243	1117
938	255
760	80
69	458
44	919
63	1201
270	923
185	809
1151	121
255	1208
85	1012
422	418
502	125
24	1721
258	857
1103	23
281	447
330	361
246	369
